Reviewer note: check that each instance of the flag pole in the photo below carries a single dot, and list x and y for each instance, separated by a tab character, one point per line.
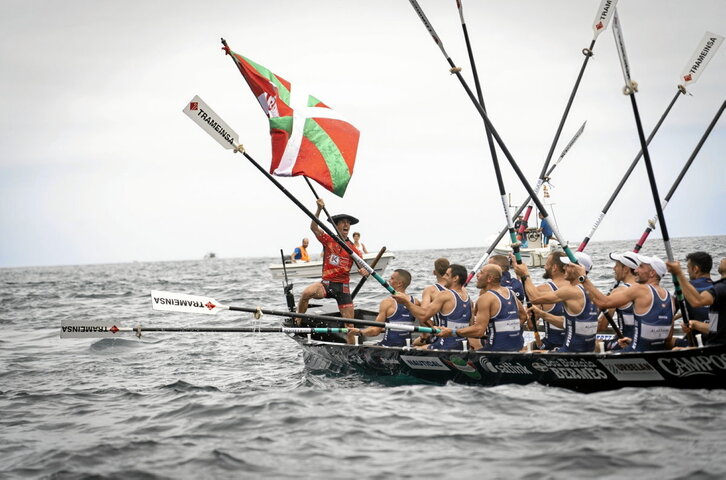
652	221
630	88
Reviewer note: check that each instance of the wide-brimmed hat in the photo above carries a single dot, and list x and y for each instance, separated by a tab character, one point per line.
344	216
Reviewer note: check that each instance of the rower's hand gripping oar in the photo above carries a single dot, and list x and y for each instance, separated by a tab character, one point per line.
630	88
180	302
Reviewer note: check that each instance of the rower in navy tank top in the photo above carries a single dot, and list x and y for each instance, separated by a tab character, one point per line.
653	327
504	333
580	327
458	318
437	317
554	336
397	338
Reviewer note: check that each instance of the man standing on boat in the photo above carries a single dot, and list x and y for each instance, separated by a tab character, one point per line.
391	312
546	229
300	254
336	266
653	306
440	267
580	313
553	314
499	315
714	298
454	300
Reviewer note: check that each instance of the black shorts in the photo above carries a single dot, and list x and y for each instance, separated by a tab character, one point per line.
340	292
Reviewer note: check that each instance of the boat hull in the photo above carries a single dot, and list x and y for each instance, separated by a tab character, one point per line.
584	372
314	269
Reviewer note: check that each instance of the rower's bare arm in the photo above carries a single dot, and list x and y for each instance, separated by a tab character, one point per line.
615	299
418	311
693	296
522	312
314	226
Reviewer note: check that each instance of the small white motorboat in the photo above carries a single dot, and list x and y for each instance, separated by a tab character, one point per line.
534	254
314	269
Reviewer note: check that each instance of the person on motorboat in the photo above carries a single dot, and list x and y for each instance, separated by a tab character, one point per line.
336	266
579	311
715	298
499	314
454	300
300	254
391	312
427	296
698	265
552	314
356	241
546	229
653	306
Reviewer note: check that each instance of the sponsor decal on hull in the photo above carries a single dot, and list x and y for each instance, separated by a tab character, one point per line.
700	365
631	370
570	369
424	363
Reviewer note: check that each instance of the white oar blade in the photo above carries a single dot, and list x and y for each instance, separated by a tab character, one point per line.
604	14
211	123
179	302
89	329
703	54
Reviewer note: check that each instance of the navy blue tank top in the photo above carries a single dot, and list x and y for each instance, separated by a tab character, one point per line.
397	338
503	332
554	336
581	327
652	327
626	318
458	318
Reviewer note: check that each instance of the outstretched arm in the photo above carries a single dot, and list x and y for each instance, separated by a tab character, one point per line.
313	225
693	296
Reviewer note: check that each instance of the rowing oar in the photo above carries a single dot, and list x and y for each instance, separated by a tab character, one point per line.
700	58
363	280
287	288
602	19
629	90
495	162
652	221
524	204
180	302
457	71
90	329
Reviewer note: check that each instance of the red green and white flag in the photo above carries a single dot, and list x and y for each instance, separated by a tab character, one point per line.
308	137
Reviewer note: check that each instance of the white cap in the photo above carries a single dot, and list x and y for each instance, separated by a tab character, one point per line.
629	259
582	258
655	263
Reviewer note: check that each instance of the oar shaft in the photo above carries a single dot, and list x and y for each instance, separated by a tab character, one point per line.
320	224
363	280
632	166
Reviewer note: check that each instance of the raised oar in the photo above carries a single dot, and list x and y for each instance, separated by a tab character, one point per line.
630	89
602	19
180	302
228	141
363	280
540	182
287	288
652	221
700	58
457	71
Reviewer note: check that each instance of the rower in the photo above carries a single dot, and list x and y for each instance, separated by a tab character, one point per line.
579	311
714	298
653	306
300	254
499	315
624	272
455	300
337	263
440	267
507	280
552	313
391	312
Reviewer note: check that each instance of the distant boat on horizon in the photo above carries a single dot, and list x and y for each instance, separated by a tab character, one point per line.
210	255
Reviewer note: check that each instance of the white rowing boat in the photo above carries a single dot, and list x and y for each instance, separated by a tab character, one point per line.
314	269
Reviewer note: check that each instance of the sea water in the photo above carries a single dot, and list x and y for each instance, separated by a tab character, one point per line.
230	405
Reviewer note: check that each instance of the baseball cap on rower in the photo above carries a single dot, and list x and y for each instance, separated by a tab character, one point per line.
582	258
655	263
629	259
344	216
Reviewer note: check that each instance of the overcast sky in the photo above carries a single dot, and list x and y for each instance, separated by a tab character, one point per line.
99	164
